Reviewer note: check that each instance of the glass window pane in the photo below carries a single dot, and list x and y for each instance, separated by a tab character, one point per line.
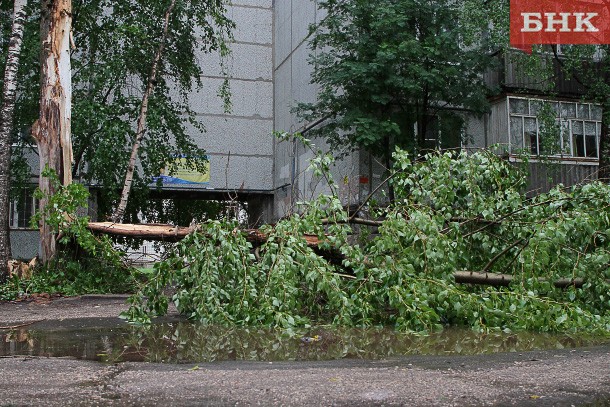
577	127
518	106
531	135
516	133
530	125
583	111
565	137
12	208
22	209
535	106
555	107
578	139
578	145
596	112
27	210
590	129
568	110
591	142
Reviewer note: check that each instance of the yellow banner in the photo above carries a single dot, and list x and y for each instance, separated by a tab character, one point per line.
182	174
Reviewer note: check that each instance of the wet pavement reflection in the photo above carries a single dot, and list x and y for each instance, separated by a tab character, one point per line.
178	341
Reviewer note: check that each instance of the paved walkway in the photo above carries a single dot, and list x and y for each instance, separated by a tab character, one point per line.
547	378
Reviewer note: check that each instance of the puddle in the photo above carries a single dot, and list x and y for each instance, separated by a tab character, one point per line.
184	342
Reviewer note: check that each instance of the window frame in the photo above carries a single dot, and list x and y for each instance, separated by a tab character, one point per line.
19	218
565	121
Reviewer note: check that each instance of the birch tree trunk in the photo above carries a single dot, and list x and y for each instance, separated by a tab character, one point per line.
117	217
52	129
6	128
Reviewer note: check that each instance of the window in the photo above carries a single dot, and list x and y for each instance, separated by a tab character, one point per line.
594	52
429	127
22	209
578	128
443	130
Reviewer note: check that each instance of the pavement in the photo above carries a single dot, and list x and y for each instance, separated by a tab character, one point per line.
568	377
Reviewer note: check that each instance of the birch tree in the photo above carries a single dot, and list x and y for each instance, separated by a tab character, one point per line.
150	87
52	130
6	128
134	114
117	43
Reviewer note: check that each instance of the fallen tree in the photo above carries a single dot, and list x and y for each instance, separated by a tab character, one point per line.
171	233
541	264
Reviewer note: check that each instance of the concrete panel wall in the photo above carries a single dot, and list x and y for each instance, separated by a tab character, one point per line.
24	243
245	133
292	75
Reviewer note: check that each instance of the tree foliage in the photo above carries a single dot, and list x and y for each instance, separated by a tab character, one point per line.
454	211
116	52
115	44
395	73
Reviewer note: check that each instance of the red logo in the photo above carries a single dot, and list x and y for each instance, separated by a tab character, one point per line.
535	22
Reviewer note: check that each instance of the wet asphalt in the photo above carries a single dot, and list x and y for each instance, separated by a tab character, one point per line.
567	377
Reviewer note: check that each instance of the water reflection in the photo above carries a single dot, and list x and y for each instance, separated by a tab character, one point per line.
183	342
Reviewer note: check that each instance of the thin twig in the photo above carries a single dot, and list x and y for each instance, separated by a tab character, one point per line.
357	221
368	198
491	262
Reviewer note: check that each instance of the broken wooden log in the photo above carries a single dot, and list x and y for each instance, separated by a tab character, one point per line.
504	280
167	233
171	233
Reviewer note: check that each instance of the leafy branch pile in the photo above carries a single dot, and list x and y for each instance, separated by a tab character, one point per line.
86	263
453	211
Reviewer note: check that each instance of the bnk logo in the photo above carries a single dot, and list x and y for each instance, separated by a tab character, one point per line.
559	22
533	22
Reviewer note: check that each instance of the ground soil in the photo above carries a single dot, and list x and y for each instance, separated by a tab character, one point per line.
569	377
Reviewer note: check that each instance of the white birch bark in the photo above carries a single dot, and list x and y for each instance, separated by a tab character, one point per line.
117	217
6	128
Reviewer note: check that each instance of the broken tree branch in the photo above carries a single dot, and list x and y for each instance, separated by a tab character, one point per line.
170	233
504	280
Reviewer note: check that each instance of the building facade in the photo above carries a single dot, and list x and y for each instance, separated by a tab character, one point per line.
269	73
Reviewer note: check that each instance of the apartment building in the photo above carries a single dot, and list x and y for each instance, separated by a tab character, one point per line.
269	72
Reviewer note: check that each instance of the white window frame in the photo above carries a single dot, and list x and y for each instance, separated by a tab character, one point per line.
565	121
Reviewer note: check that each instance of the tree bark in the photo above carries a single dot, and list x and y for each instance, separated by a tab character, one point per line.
52	130
6	128
171	233
117	217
